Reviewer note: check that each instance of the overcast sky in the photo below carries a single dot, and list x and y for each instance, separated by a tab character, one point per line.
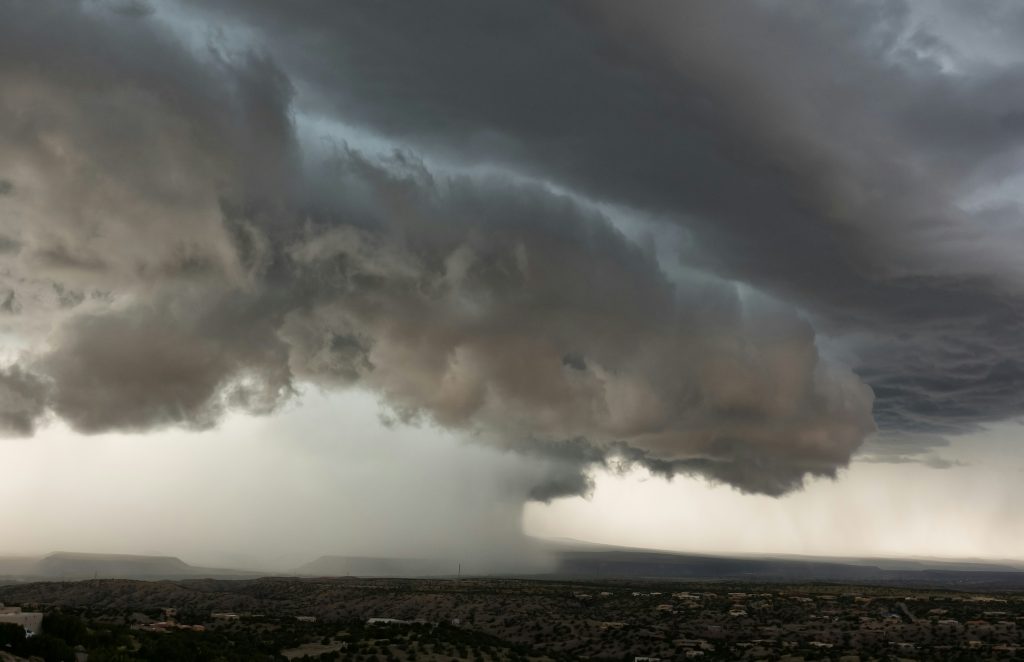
280	279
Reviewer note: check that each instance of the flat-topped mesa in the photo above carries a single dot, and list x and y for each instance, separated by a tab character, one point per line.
81	565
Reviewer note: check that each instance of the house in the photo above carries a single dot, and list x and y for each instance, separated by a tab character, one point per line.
224	616
386	621
30	621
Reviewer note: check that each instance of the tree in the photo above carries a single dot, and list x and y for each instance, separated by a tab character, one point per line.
12	637
48	647
68	627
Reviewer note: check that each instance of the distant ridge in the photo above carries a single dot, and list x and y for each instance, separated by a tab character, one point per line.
370	566
80	565
569	548
74	564
588	560
570	560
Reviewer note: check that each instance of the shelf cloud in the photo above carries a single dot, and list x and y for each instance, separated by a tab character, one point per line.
706	239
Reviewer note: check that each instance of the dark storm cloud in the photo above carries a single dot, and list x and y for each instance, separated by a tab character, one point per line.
822	156
831	155
126	148
238	265
895	447
179	361
930	461
460	300
946	358
22	401
124	144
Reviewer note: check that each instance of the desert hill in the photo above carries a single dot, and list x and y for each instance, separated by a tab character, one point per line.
369	566
77	565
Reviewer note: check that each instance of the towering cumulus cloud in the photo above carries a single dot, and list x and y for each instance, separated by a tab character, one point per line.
598	232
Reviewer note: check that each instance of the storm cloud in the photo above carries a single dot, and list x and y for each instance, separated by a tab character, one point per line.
857	161
720	240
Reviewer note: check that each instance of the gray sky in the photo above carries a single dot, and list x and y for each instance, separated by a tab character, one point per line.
284	279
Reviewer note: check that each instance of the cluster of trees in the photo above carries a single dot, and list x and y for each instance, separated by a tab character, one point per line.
260	639
63	632
60	635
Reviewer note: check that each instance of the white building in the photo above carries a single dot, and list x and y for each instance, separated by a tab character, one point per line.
31	621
